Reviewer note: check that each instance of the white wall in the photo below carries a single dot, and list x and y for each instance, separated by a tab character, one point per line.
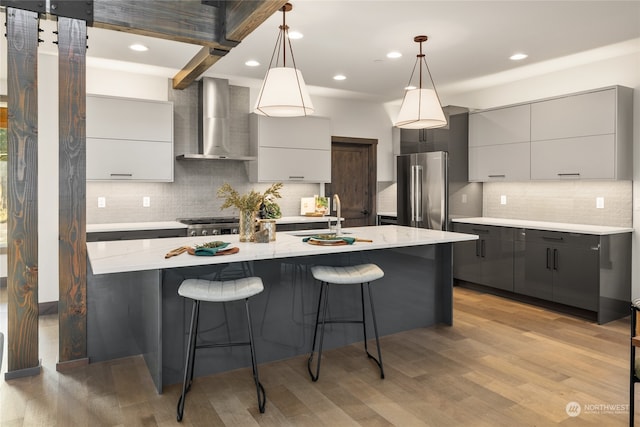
622	70
47	178
99	81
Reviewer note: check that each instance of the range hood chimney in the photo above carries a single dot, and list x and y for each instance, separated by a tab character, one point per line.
213	122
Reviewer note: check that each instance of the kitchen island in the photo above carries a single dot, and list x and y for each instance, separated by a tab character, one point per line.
133	306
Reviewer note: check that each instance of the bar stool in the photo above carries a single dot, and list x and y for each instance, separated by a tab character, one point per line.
349	275
218	291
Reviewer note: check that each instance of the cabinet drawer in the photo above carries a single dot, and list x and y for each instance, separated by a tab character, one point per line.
485	231
562	238
589	157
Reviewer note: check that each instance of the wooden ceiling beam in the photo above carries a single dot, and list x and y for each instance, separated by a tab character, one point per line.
187	21
241	18
200	63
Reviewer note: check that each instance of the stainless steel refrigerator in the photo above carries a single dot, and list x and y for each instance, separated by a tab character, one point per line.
423	190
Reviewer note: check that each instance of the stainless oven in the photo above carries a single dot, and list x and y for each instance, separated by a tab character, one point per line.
211	226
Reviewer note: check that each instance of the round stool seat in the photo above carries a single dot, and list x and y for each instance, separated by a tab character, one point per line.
220	291
348	275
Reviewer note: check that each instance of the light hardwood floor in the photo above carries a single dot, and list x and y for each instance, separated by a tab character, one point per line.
503	363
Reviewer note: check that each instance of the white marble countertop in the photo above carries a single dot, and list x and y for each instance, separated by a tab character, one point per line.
148	254
134	226
167	225
304	219
544	225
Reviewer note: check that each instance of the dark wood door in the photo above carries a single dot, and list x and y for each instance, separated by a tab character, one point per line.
353	178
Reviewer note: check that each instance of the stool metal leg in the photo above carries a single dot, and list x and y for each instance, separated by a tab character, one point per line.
324	286
262	396
375	329
189	359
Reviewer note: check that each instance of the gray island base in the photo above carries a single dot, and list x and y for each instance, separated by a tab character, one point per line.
140	312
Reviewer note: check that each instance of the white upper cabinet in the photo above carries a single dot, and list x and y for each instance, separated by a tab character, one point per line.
587	135
583	136
129	139
573	116
501	126
502	163
290	149
499	144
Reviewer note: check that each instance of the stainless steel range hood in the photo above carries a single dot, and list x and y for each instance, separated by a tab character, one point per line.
213	123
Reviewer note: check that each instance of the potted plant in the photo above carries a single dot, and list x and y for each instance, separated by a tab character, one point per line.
247	205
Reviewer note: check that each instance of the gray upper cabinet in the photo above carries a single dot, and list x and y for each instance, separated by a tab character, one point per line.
507	125
129	139
583	136
292	149
499	148
587	135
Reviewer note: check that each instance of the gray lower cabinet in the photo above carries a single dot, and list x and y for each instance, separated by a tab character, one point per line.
585	271
559	267
487	261
301	226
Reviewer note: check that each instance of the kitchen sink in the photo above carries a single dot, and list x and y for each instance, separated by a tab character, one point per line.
321	232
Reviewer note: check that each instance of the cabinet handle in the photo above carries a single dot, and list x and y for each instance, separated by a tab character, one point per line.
478	247
554	239
296	177
548	254
479	230
121	174
555	259
497	176
569	174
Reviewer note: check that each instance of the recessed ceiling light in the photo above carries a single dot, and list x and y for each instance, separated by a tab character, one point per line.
518	56
295	35
138	47
394	55
410	88
252	63
339	77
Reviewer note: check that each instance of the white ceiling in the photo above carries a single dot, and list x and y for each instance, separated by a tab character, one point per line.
469	43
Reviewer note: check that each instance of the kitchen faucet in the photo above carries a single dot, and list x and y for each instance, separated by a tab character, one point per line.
336	202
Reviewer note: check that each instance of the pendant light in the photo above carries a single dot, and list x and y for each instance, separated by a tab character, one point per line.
421	107
283	92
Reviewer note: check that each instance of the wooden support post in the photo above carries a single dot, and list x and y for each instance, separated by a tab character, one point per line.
72	302
22	186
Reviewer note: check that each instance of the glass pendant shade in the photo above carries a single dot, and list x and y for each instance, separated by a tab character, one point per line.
420	109
283	94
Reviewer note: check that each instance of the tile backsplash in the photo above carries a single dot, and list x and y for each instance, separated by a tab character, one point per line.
561	201
193	192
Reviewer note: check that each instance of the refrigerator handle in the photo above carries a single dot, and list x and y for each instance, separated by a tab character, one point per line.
412	195
418	194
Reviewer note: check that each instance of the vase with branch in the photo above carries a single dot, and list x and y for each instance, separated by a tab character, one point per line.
247	205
